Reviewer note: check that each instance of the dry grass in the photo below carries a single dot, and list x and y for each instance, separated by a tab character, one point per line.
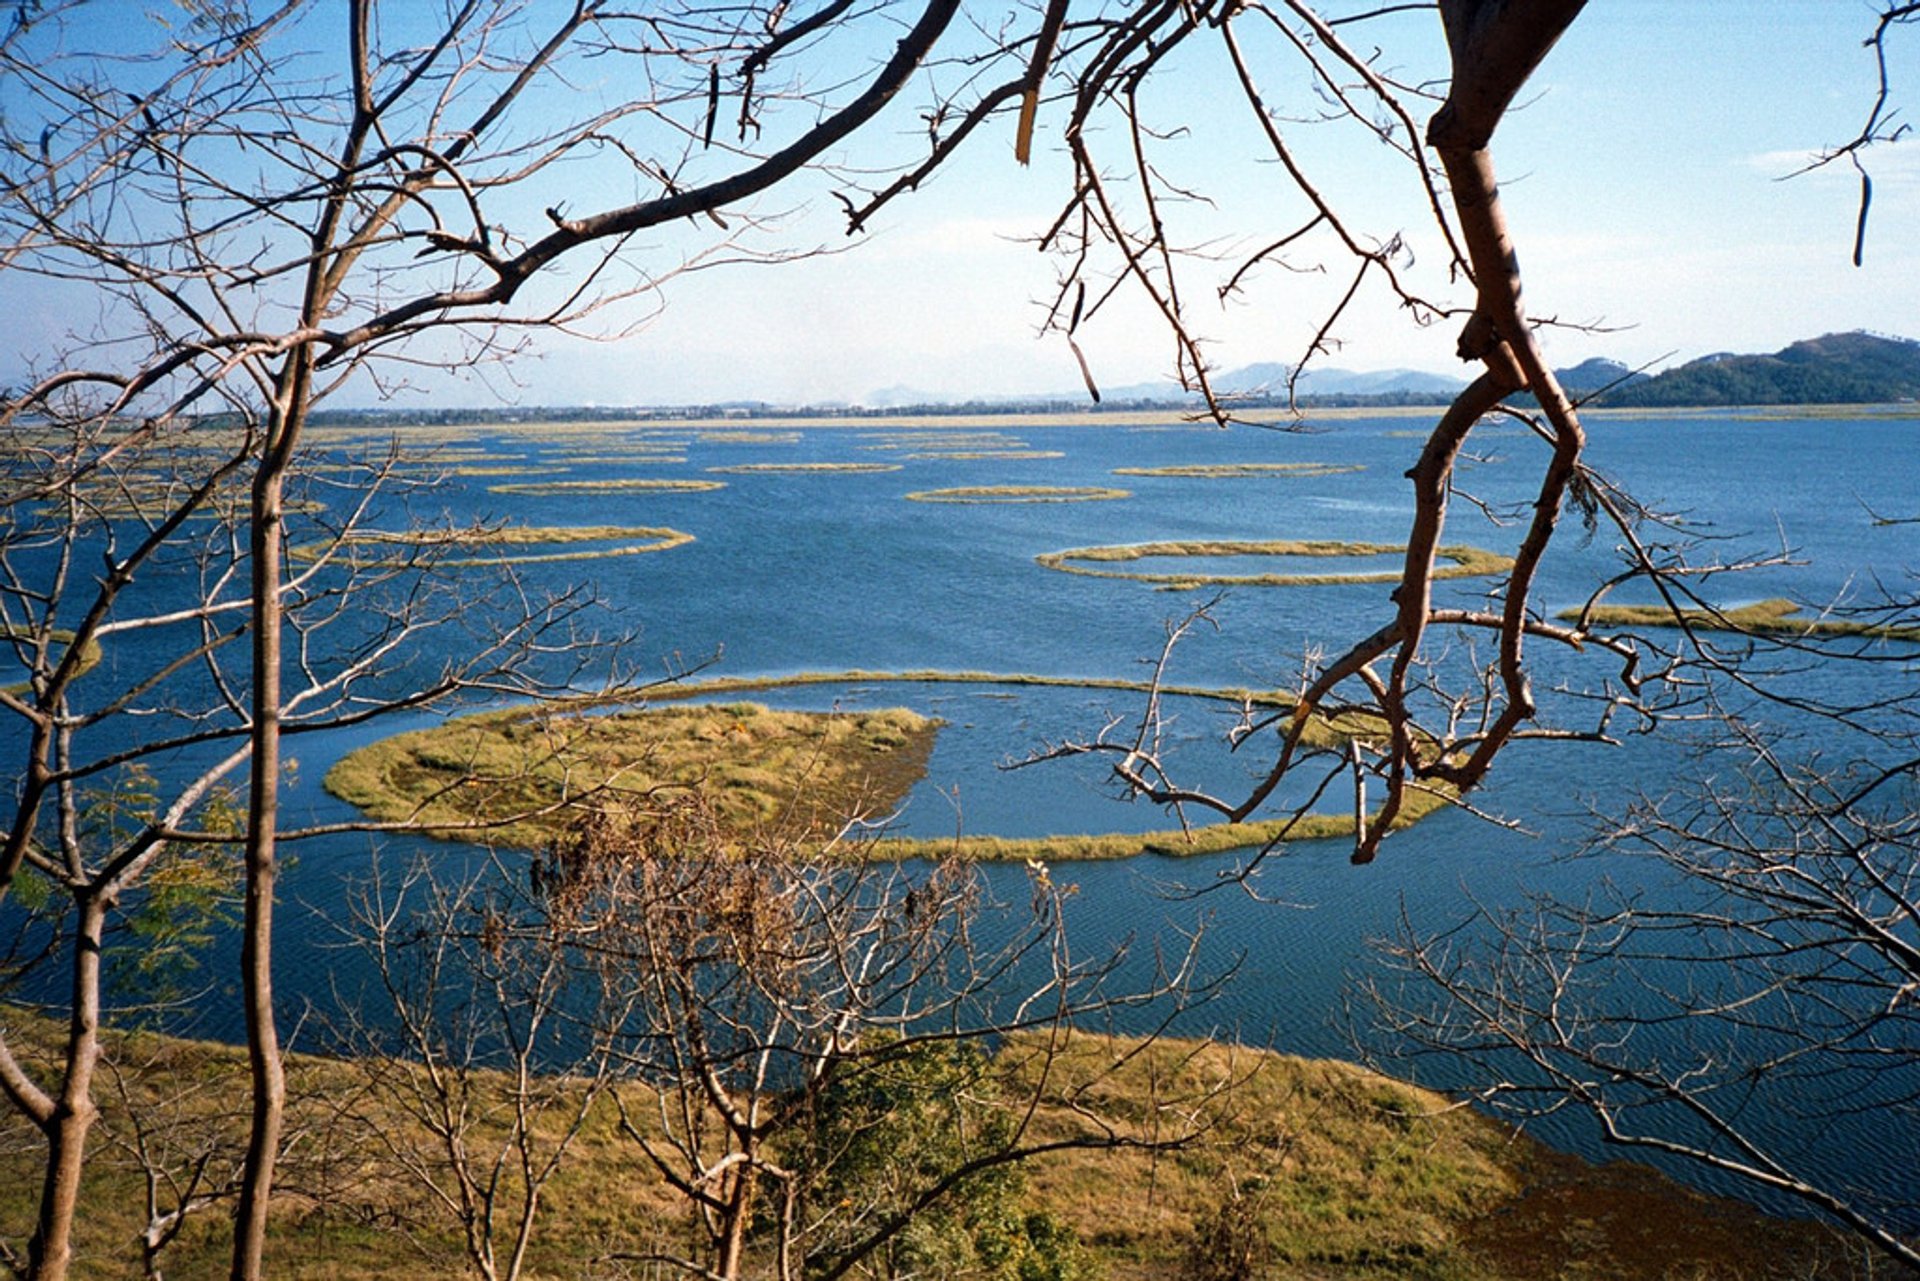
1244	471
1019	494
974	455
1776	617
621	540
525	776
1350	1174
1465	562
472	769
648	485
807	468
15	640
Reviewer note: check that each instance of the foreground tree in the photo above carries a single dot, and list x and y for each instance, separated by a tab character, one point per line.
816	1053
256	230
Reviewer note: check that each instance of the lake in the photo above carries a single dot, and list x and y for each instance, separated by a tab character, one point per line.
811	557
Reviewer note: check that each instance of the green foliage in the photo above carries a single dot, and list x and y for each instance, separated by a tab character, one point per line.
187	897
1855	368
886	1132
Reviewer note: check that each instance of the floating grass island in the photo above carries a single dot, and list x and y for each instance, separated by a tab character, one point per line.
795	774
978	455
1243	471
952	441
17	640
620	540
1776	617
744	468
1019	494
1464	562
642	485
748	437
472	778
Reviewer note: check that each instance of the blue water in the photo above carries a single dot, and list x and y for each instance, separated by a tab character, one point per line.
823	571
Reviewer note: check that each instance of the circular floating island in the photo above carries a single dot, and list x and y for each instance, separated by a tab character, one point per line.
619	540
1464	562
1244	471
524	777
619	485
1019	494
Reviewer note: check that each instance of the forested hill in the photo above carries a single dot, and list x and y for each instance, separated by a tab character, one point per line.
1855	368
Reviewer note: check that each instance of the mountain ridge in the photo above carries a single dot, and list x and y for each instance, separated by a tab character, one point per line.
1853	367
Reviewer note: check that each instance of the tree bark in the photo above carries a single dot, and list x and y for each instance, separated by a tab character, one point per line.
266	1071
50	1252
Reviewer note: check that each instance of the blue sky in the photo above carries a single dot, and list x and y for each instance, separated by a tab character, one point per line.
1642	176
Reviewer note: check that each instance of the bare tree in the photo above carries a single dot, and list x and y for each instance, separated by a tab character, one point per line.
772	1012
1119	229
480	1046
1736	991
262	208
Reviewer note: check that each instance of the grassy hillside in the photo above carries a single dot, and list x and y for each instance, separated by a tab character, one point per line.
1339	1172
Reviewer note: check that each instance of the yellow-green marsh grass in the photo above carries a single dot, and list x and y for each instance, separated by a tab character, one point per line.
629	485
1019	494
502	469
15	640
796	773
748	437
805	468
1463	562
1776	617
1350	1175
618	460
1214	838
979	455
1244	471
619	540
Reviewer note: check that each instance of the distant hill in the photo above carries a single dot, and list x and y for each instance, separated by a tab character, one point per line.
1853	368
1267	380
1592	375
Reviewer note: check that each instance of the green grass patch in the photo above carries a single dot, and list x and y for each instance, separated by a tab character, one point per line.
362	546
1463	562
1776	617
626	485
1243	471
801	774
807	468
1019	494
1349	1175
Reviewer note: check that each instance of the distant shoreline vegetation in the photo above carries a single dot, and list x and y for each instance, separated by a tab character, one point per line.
991	494
1466	562
522	755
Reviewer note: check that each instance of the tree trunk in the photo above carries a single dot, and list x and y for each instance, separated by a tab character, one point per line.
50	1252
268	1075
733	1244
